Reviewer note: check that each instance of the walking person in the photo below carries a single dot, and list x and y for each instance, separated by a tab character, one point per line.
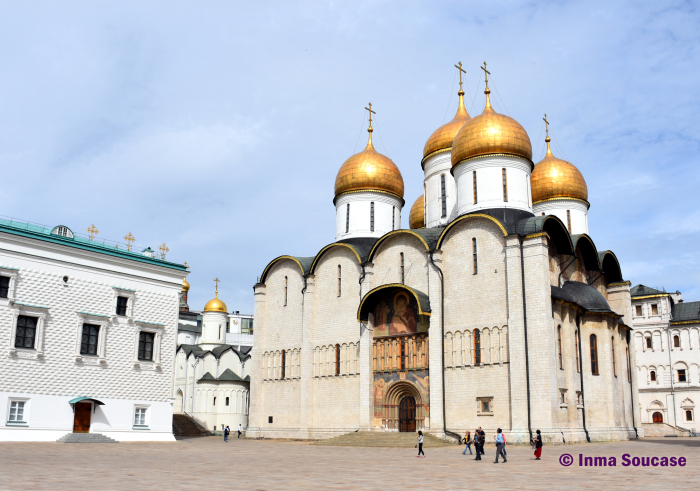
483	440
500	445
240	428
480	439
227	431
504	446
538	445
468	443
420	444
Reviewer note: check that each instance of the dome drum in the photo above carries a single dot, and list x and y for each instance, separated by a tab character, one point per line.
367	213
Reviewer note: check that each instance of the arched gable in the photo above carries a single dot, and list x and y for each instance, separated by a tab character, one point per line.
320	254
304	264
471	216
586	251
368	301
383	239
610	265
553	227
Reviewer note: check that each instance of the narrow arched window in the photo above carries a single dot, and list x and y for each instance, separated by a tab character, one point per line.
337	360
568	219
612	345
227	401
649	342
627	357
474	178
393	218
505	186
285	291
676	342
578	362
339	282
214	403
347	218
477	347
527	188
443	194
403	353
284	362
652	376
371	216
561	363
476	264
594	355
402	269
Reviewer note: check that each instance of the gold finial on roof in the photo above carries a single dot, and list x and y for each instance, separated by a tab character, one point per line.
129	239
487	91
461	70
186	265
163	250
370	130
92	230
549	150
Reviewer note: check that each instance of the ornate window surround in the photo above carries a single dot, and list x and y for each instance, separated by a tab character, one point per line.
12	273
30	311
131	298
562	393
157	329
104	322
480	406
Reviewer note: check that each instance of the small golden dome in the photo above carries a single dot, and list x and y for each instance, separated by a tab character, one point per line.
442	138
369	170
490	133
215	305
185	285
417	217
557	178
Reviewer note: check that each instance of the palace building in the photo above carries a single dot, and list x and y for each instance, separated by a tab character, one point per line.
495	309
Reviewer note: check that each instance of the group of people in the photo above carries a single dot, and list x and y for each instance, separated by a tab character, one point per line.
479	440
227	432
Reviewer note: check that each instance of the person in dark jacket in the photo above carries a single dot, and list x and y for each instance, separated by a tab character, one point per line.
479	437
227	432
538	445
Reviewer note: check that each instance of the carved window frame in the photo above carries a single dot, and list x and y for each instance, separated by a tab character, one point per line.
480	406
11	273
104	323
40	313
131	300
157	330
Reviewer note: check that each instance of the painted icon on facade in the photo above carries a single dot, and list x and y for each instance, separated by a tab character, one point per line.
397	314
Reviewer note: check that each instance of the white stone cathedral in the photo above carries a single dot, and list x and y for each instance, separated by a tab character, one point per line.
495	309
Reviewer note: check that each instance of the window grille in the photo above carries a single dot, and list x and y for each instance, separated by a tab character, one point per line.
477	347
4	286
561	362
612	344
371	216
284	363
122	303
578	362
146	346
88	343
337	360
347	218
285	291
17	412
476	264
393	218
140	416
505	186
26	332
402	268
443	195
339	283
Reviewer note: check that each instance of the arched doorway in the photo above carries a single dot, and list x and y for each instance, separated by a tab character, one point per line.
657	417
178	402
407	414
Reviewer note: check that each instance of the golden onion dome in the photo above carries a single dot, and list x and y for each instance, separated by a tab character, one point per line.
490	133
369	170
442	138
557	178
185	285
417	217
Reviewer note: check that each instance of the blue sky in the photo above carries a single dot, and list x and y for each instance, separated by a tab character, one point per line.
218	127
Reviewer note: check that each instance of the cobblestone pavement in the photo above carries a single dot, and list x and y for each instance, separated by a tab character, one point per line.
209	463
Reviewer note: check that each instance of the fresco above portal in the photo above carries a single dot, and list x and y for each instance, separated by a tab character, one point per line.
397	314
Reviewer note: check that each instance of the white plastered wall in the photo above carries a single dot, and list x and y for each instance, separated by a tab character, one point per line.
434	167
385	206
578	210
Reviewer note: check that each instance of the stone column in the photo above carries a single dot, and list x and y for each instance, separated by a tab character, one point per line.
257	397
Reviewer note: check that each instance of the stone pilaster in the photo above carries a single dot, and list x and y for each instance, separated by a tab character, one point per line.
257	394
435	343
306	393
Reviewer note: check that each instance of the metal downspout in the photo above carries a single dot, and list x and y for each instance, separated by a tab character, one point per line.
580	357
527	356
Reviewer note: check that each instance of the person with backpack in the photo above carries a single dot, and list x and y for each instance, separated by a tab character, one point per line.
420	444
481	439
227	431
468	443
538	445
500	444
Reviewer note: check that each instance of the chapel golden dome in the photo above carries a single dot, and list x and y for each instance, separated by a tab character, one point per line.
557	178
490	133
416	219
442	138
369	170
185	285
215	304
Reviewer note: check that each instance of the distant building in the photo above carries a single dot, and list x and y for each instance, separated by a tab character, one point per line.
667	342
89	332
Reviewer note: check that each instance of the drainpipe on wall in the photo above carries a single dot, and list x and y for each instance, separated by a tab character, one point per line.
527	355
670	369
580	357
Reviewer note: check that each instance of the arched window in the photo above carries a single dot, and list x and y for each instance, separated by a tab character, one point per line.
568	219
612	346
649	342
676	341
337	360
339	284
505	186
627	357
688	415
371	216
652	376
402	268
443	194
214	404
476	264
578	361
475	197
561	363
285	291
284	362
347	218
393	218
227	401
594	355
477	347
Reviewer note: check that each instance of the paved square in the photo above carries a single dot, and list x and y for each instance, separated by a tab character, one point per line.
209	463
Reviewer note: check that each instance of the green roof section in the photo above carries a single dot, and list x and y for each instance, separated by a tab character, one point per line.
30	305
41	232
685	312
94	315
150	323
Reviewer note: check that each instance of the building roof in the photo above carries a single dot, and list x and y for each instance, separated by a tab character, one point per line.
189	328
644	291
228	375
41	232
198	352
685	312
583	295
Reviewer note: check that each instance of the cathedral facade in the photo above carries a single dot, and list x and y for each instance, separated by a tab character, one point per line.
495	309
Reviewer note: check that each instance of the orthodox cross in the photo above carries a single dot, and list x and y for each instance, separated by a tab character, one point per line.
129	239
163	250
186	265
546	123
461	70
486	74
92	230
217	286
370	114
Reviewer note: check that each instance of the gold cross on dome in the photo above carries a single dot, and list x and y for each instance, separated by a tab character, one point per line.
546	123
163	250
216	280
370	114
186	265
461	70
92	230
486	74
129	239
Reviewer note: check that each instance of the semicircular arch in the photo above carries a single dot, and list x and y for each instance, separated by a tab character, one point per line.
471	216
384	237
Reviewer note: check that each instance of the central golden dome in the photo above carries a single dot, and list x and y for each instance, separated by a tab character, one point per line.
369	170
442	138
490	133
417	217
557	178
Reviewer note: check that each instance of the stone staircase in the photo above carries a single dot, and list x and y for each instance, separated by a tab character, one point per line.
663	429
383	439
184	425
85	438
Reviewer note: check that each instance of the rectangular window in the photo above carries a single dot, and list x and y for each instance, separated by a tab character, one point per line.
561	362
444	195
140	416
638	310
88	343
4	286
477	347
476	264
688	415
681	376
654	309
505	186
475	197
247	326
347	219
339	284
371	216
402	268
285	291
578	363
627	357
17	412
26	332
121	305
484	406
393	218
568	220
146	346
403	354
284	363
337	360
594	355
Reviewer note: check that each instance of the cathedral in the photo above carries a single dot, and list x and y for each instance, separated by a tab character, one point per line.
496	309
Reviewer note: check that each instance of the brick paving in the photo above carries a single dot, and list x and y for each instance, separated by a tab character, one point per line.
208	463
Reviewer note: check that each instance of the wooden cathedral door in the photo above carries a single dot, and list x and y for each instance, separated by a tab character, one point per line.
407	414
